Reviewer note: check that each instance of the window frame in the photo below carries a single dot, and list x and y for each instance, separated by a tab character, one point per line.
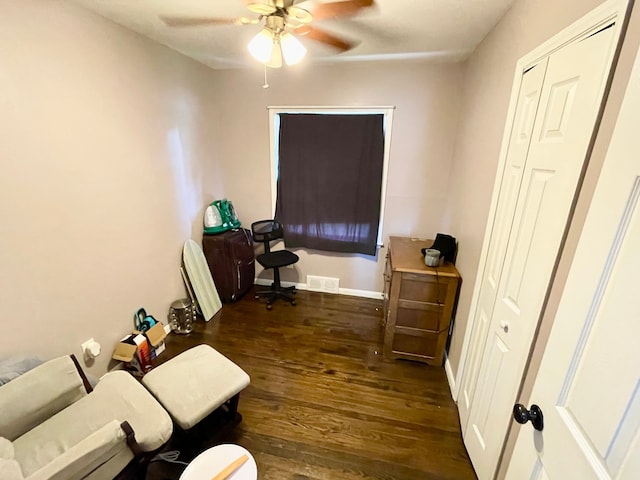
274	131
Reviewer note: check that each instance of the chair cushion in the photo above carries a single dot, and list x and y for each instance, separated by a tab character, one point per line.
10	470
38	394
118	396
196	382
278	258
88	455
9	467
6	449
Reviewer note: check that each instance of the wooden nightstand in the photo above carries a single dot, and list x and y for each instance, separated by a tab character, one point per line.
418	302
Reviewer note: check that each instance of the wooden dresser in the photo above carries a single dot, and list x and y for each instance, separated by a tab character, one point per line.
418	302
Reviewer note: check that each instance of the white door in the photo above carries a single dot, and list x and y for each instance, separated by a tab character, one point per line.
588	385
525	114
569	103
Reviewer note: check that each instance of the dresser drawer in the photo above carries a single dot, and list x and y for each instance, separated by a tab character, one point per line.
425	316
423	288
413	343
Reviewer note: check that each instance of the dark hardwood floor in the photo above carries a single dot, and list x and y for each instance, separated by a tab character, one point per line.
323	403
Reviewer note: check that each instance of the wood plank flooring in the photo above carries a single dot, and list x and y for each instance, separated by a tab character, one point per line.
323	403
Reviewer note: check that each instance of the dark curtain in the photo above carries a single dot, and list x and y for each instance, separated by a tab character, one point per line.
330	180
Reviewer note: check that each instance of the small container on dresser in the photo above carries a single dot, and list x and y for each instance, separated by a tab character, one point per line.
418	302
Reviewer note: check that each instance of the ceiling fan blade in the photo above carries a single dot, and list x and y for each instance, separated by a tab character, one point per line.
299	15
340	9
325	37
173	21
261	8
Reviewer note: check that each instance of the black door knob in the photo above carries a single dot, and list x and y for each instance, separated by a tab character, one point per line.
522	415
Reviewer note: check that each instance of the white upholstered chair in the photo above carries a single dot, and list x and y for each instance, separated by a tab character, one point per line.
52	426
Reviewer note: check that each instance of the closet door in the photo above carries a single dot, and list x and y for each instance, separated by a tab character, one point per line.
570	99
526	109
588	382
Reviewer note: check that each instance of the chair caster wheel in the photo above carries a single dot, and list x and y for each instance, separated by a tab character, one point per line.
269	307
293	302
257	297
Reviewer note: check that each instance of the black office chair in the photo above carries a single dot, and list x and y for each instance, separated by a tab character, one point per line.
265	231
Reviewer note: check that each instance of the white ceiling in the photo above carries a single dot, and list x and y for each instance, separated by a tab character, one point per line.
391	29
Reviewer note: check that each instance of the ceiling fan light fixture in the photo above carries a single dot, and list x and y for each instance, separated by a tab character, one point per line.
262	45
292	49
275	61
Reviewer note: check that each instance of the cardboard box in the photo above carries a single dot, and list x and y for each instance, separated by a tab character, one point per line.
139	349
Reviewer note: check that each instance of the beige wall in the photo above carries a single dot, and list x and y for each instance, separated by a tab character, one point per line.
426	100
112	146
487	89
108	155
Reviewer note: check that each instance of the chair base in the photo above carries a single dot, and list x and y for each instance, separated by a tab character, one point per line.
275	292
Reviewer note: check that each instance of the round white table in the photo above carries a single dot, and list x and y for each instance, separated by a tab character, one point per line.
212	461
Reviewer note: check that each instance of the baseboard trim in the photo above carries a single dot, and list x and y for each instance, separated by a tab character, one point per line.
450	378
342	291
361	293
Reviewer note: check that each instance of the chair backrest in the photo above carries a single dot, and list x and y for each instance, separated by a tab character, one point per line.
265	231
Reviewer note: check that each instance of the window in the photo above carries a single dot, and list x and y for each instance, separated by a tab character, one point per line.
329	169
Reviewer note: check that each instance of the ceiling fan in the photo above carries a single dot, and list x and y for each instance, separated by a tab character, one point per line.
283	19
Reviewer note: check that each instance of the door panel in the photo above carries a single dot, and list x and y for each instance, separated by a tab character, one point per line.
569	103
512	186
588	385
489	386
559	108
534	197
481	327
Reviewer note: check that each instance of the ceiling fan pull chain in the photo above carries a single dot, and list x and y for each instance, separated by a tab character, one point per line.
266	84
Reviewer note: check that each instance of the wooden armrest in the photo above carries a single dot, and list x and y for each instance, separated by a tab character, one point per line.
132	443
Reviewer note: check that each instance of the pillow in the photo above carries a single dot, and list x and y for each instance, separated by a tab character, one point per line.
13	367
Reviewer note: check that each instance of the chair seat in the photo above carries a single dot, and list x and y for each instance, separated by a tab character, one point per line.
278	258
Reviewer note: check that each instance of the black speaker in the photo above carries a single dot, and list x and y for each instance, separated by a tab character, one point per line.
447	246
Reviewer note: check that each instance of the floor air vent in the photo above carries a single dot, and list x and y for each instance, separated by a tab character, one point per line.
323	284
